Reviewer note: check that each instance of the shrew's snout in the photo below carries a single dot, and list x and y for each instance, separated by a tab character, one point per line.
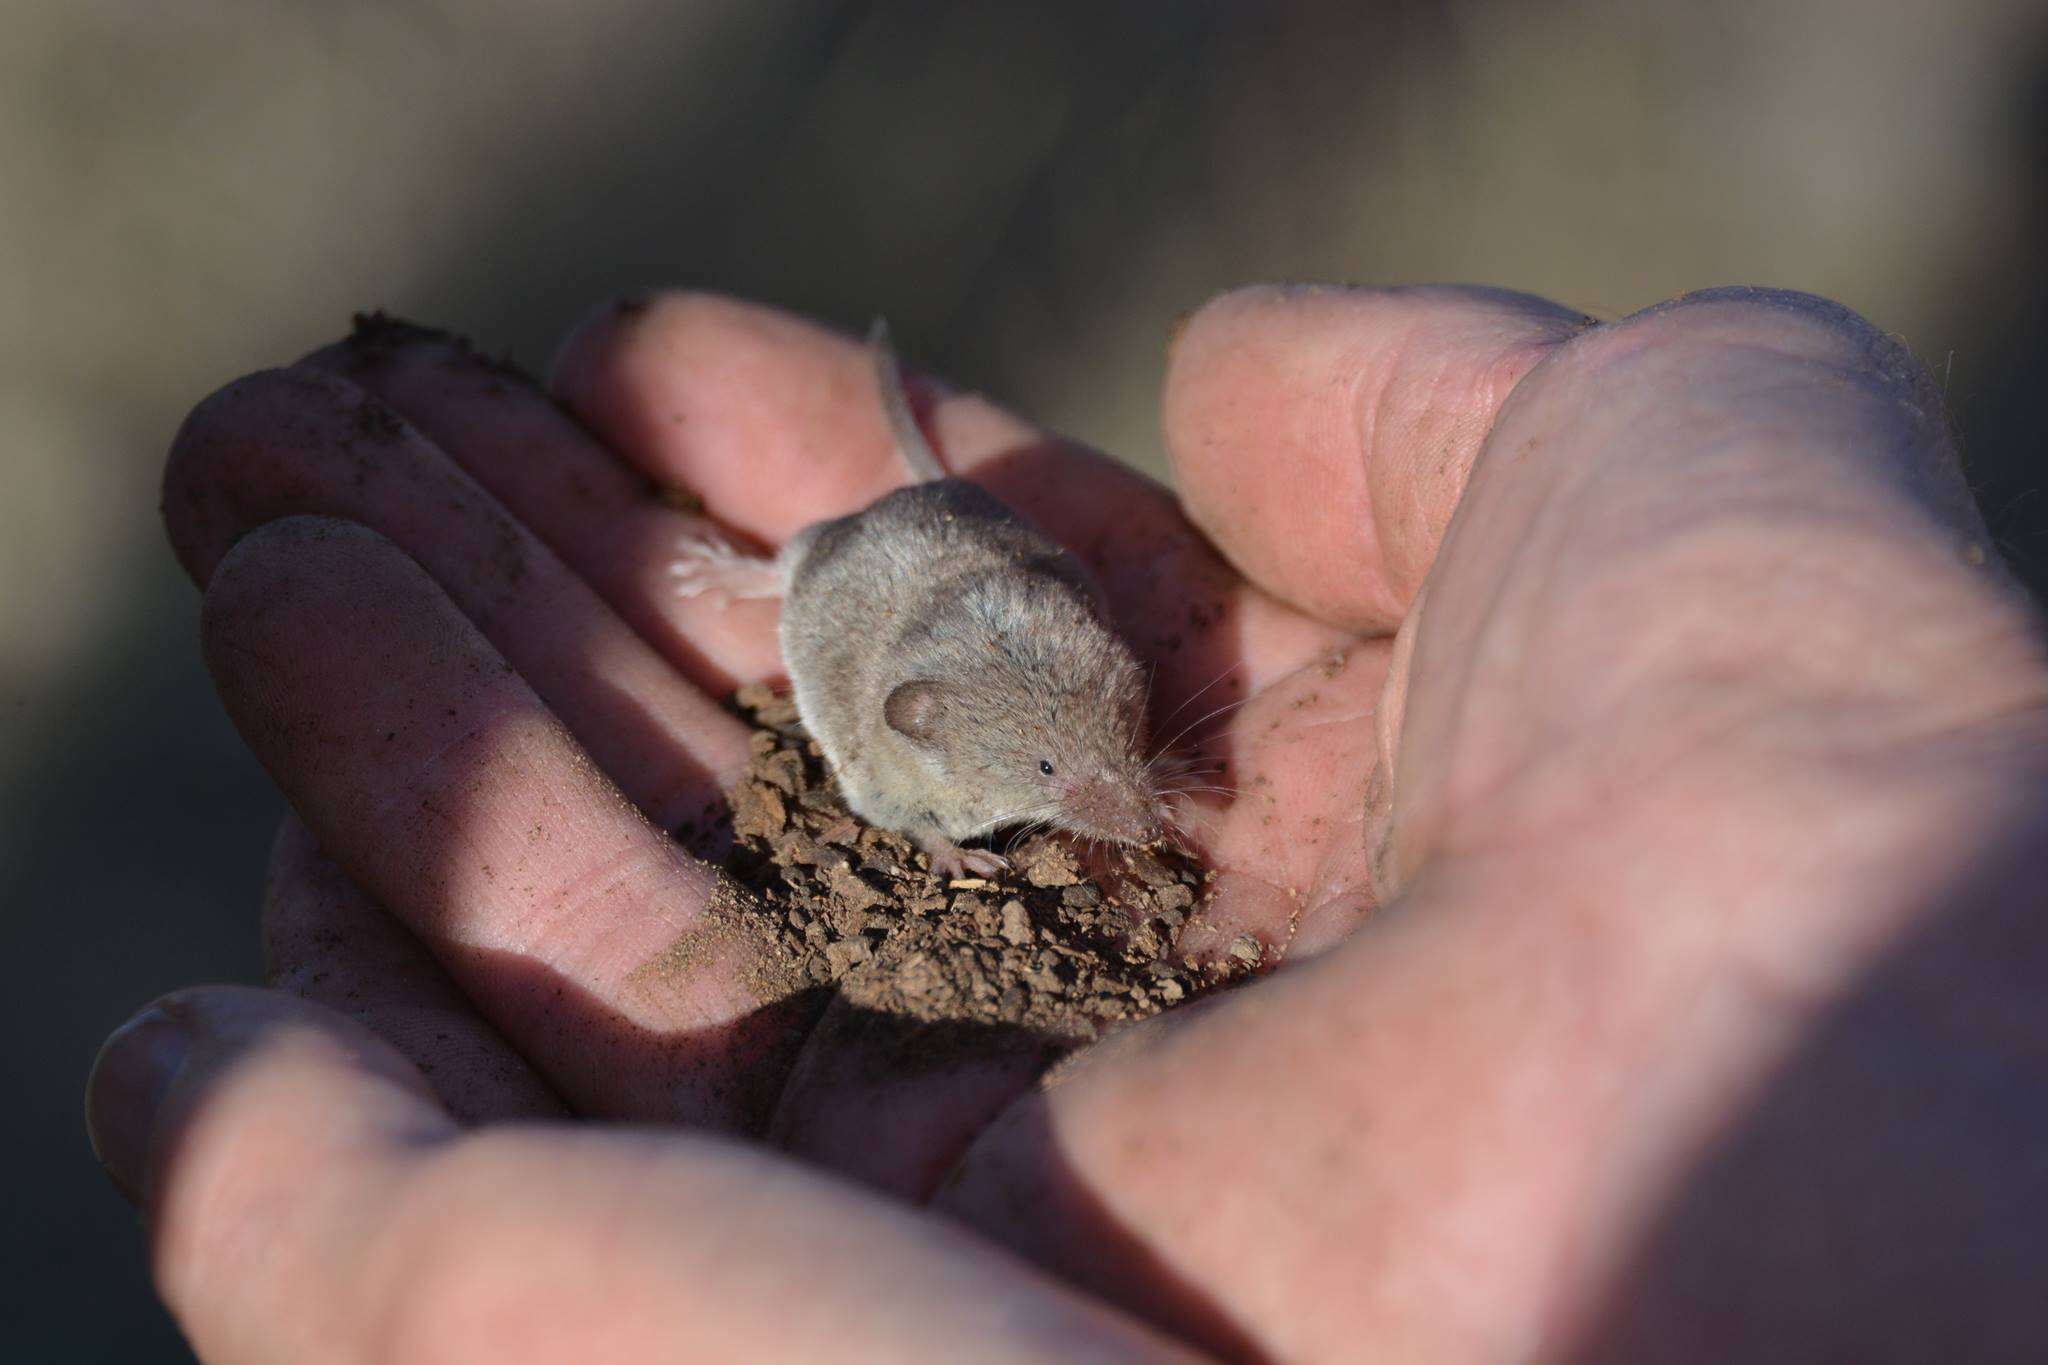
1125	812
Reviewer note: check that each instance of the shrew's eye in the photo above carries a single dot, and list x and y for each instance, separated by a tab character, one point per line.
1045	766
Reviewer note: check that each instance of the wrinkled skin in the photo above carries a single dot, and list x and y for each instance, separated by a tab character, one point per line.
1660	896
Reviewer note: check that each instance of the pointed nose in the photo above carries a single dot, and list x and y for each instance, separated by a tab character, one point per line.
1122	811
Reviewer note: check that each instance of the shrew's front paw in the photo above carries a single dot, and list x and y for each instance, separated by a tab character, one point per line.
949	860
705	564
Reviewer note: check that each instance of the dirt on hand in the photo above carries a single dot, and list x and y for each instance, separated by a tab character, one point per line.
1064	945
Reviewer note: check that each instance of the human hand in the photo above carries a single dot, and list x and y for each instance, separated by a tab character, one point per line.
1459	1075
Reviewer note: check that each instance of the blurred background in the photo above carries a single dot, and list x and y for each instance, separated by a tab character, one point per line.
1031	189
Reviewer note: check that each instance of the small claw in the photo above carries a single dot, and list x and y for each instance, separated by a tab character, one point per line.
983	863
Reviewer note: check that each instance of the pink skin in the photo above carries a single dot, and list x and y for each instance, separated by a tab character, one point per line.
951	860
1696	1014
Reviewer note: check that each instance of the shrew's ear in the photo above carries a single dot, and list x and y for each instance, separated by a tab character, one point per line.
915	709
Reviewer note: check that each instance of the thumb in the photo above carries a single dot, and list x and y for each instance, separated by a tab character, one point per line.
1321	436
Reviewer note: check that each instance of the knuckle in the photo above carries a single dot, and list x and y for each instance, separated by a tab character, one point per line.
1788	321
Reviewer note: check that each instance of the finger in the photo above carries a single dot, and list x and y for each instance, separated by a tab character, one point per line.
327	942
774	421
286	442
1704	514
1322	436
770	418
443	787
263	1138
308	1200
607	521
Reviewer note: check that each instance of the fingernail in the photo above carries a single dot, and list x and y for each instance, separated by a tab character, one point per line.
130	1078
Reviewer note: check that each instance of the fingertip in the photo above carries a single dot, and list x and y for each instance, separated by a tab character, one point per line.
196	526
130	1076
599	335
261	1137
246	423
677	323
593	510
342	663
148	1079
770	418
298	578
634	367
